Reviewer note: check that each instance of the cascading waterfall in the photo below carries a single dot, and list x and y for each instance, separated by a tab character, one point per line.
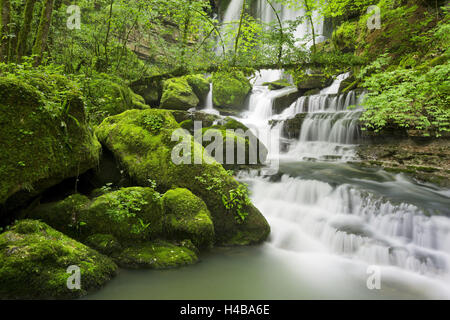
266	14
260	110
233	11
355	224
342	219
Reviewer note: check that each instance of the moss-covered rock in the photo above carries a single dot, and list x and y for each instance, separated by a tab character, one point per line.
292	126
187	217
151	92
127	214
307	82
63	215
108	96
187	119
156	255
34	260
145	151
178	95
104	243
346	35
230	89
199	84
42	141
247	148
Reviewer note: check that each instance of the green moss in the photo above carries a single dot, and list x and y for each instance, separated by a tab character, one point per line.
187	217
345	37
233	124
55	142
63	215
199	84
108	96
178	95
311	81
147	155
156	255
34	259
127	214
230	89
104	243
187	125
242	139
278	84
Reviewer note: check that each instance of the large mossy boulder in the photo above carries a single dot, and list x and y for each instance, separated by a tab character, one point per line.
107	96
142	142
151	91
128	214
187	217
236	141
230	90
44	140
178	95
34	260
129	224
187	119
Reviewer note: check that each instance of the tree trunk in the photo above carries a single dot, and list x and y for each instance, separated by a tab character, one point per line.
5	20
309	14
43	30
187	22
26	28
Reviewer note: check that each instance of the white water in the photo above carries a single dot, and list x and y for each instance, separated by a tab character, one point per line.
267	16
318	219
209	107
233	11
330	221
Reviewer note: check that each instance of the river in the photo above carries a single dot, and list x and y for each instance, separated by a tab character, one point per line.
334	224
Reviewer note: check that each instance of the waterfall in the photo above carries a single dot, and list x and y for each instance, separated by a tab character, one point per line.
209	107
266	14
334	88
330	129
233	11
354	224
260	111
